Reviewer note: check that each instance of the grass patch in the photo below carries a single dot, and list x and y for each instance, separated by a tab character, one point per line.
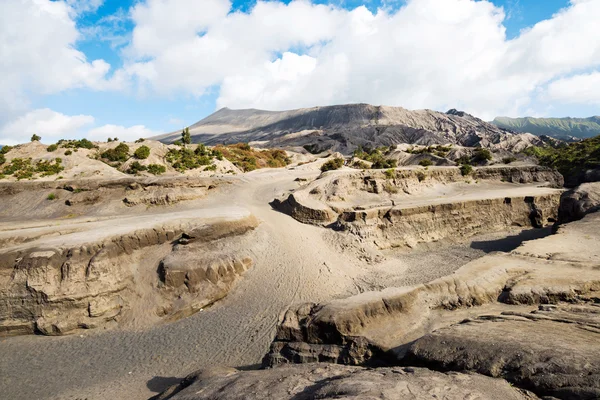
333	164
249	159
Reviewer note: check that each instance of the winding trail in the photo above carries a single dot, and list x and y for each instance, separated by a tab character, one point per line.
118	364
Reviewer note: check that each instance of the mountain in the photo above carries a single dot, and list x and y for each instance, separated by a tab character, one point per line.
560	128
344	127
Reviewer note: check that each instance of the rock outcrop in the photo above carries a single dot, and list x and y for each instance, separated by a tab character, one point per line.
578	202
344	127
403	207
53	283
529	316
319	381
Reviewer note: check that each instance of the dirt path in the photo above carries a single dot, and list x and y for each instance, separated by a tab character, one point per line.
294	263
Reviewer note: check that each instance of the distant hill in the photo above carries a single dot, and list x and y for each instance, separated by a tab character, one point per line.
559	128
345	127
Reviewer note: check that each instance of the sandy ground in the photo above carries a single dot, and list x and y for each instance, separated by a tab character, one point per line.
294	263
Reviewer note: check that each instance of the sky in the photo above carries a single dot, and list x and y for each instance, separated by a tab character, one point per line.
130	69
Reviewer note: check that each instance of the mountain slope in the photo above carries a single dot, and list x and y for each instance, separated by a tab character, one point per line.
560	128
344	127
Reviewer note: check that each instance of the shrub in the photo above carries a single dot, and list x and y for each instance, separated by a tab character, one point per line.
248	159
421	176
52	148
481	155
330	165
390	174
156	169
140	140
5	149
142	152
211	167
359	164
77	144
376	156
426	162
508	160
51	196
20	168
35	138
135	168
466	169
2	159
119	153
178	143
47	168
68	153
109	140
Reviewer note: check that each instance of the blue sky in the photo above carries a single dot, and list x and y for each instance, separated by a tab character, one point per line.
159	68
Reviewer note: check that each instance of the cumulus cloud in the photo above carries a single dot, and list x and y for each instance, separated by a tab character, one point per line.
38	53
132	133
49	124
427	54
581	89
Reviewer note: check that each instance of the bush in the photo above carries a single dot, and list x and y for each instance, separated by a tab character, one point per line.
5	149
248	159
35	138
47	168
421	176
376	156
156	169
186	138
52	148
142	152
135	168
119	153
77	144
140	140
426	162
359	164
68	153
508	160
51	196
211	167
466	169
330	165
390	174
481	155
2	159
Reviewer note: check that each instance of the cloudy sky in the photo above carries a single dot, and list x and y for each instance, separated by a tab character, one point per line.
100	68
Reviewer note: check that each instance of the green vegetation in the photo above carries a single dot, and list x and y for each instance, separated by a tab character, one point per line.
51	196
389	188
508	160
35	138
119	153
76	144
330	165
426	162
555	127
360	165
390	174
2	159
569	159
156	169
186	138
135	168
376	156
248	159
421	176
68	153
140	140
438	150
52	148
142	152
481	155
5	149
211	167
466	169
22	168
184	159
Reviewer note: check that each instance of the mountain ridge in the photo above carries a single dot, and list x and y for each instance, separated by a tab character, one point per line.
345	127
566	128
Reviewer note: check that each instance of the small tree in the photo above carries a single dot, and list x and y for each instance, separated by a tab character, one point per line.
35	138
186	138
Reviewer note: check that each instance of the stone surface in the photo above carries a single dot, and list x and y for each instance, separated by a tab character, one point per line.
577	202
319	381
532	318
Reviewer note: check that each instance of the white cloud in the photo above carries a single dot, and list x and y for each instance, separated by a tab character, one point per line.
85	6
132	133
38	53
580	89
427	54
48	124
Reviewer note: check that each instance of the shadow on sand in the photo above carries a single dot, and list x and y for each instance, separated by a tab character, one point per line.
510	243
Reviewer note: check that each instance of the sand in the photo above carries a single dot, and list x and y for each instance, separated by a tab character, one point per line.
294	263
